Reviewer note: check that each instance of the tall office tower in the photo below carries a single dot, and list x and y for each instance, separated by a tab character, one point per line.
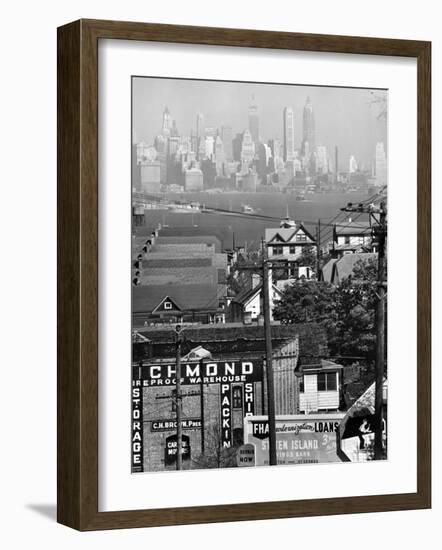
275	147
248	147
352	165
226	136
161	146
199	136
381	165
209	143
322	160
219	155
308	126
173	144
167	121
254	121
264	156
236	147
289	134
174	130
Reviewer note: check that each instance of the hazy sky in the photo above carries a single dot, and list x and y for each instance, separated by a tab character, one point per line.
345	117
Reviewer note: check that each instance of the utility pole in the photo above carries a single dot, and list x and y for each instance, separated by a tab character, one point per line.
318	249
178	396
380	230
380	333
269	359
263	270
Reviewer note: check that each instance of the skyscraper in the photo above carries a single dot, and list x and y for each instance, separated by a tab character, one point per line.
322	160
381	165
254	121
248	148
226	136
219	155
199	133
352	165
167	121
308	126
289	134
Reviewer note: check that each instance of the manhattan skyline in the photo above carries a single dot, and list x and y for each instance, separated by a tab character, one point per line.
345	117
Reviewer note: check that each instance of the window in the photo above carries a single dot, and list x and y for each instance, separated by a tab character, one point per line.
301	237
237	397
327	381
292	249
277	249
301	384
167	305
347	239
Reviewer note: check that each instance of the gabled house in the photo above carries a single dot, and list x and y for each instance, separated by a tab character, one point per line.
164	304
247	306
352	237
286	244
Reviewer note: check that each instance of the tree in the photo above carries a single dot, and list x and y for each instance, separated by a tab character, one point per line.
346	311
306	301
355	310
308	257
215	455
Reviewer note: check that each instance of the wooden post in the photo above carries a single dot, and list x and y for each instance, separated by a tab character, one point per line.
269	361
380	337
179	436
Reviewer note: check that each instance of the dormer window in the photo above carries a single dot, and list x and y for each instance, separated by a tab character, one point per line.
167	305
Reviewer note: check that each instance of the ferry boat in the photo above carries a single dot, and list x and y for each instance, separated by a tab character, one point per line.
186	208
247	209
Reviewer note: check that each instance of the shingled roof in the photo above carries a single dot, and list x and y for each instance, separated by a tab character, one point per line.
231	339
286	234
187	297
336	270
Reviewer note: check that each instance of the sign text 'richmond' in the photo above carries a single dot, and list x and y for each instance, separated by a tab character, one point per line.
213	372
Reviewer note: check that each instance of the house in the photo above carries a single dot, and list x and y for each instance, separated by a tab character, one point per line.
286	245
319	386
338	269
352	237
247	306
164	304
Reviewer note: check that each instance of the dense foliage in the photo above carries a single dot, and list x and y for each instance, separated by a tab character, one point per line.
346	310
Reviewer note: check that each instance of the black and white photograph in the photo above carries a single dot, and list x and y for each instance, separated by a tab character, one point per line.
258	274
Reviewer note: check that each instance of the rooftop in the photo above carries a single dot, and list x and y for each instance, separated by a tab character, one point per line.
186	297
335	270
236	338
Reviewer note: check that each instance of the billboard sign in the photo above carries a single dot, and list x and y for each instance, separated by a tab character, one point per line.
245	455
171	424
300	439
210	372
170	451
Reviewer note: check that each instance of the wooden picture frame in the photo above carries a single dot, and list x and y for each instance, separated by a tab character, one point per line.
78	274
